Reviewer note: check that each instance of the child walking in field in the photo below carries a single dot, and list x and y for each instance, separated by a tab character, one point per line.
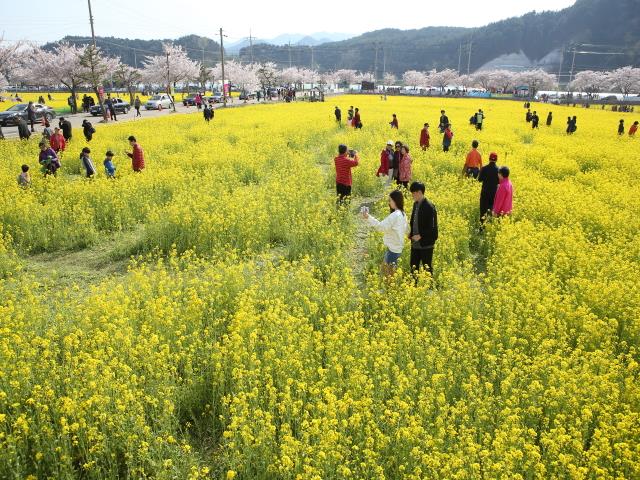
24	179
109	167
87	163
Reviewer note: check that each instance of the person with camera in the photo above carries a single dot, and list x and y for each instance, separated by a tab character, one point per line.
344	162
394	228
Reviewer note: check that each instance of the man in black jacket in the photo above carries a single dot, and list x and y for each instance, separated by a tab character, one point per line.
444	121
423	229
489	179
65	126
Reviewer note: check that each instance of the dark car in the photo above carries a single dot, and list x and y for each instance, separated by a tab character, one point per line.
119	105
189	100
9	117
247	96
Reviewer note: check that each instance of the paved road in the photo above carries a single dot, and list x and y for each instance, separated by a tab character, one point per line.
76	120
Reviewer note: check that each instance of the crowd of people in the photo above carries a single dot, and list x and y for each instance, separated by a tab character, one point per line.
496	192
55	142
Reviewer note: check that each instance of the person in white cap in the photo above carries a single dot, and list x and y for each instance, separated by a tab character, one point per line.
386	163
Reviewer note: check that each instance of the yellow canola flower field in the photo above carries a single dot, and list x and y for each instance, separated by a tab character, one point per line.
252	337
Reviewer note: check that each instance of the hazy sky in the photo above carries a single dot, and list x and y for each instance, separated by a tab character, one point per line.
53	19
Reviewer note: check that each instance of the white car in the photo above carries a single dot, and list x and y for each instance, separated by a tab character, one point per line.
158	101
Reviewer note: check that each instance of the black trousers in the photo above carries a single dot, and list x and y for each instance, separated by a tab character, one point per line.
486	204
343	191
421	258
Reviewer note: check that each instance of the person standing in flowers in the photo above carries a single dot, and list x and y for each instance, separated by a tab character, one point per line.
549	119
424	137
633	129
386	163
490	180
447	137
535	120
48	159
87	163
357	123
444	121
473	163
394	228
338	114
503	203
350	113
24	179
404	167
394	122
344	162
57	141
621	127
137	156
109	167
423	229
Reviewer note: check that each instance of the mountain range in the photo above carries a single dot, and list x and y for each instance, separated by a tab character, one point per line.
591	34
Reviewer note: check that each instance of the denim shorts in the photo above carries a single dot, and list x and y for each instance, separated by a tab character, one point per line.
391	258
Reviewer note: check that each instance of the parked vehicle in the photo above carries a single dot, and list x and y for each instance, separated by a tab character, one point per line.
247	96
9	118
216	97
156	102
119	105
189	100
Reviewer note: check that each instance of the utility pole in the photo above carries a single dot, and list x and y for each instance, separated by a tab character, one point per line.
375	64
384	62
469	59
203	56
459	57
289	53
251	45
224	95
311	57
573	64
135	58
169	84
93	33
560	68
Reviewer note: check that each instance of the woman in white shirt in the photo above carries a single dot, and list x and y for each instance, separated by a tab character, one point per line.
394	228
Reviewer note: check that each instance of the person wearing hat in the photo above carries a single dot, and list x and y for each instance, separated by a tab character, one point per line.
386	162
489	178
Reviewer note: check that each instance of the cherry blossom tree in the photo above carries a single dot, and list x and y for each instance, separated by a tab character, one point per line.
415	79
291	75
626	80
127	77
483	79
388	79
503	80
171	68
588	81
95	69
11	55
443	78
536	80
60	66
267	73
346	77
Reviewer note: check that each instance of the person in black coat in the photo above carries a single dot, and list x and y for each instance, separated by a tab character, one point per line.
489	179
423	229
621	127
549	119
444	121
31	115
535	119
23	129
65	126
88	130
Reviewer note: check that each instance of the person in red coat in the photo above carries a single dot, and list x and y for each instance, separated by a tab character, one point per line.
57	141
356	123
425	137
386	162
137	156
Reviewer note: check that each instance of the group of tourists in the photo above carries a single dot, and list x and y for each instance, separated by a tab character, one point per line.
353	117
54	143
496	194
632	129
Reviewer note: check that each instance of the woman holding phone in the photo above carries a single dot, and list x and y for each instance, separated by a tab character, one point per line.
394	227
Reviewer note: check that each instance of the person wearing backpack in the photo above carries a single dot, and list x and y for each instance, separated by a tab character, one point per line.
423	229
88	130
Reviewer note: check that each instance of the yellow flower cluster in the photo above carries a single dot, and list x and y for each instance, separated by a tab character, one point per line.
253	339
